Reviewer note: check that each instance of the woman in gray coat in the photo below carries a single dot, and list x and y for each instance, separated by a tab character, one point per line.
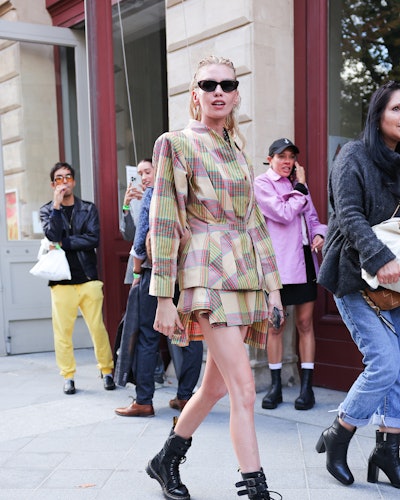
364	190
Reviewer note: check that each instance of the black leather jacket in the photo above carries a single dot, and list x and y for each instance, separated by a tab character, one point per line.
81	234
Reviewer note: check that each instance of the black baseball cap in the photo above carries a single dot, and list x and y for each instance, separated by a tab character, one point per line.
280	145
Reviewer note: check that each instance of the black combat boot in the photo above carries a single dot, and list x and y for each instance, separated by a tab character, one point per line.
256	486
165	467
274	395
335	441
306	400
385	456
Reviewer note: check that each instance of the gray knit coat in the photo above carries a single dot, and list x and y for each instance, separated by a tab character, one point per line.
359	198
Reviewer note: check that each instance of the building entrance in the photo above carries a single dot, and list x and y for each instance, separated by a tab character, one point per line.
44	119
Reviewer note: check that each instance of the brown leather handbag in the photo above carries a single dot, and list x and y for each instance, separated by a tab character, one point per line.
384	299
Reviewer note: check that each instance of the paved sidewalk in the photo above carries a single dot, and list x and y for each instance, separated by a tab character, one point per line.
58	447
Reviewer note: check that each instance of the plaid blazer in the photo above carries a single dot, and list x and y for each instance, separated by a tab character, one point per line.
204	202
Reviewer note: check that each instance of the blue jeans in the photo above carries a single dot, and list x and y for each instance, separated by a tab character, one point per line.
147	343
375	395
187	362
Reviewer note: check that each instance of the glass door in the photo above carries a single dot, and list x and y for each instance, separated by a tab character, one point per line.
44	118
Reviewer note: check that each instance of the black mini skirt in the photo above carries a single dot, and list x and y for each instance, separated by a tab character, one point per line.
296	294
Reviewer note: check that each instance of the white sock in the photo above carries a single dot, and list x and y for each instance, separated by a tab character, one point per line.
307	366
275	366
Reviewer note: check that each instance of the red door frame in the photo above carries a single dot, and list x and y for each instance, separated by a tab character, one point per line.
338	361
66	13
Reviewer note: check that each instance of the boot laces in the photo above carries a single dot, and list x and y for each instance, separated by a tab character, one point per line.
174	468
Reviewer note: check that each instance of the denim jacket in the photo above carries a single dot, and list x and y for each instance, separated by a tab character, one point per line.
139	244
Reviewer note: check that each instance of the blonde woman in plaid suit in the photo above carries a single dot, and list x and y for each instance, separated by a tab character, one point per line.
207	232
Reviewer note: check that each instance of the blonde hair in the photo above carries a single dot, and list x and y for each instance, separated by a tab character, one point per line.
231	121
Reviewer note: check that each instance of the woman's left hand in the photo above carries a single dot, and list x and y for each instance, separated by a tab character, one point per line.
274	300
300	173
135	282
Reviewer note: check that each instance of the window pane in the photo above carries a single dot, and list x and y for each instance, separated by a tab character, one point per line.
364	52
140	81
33	89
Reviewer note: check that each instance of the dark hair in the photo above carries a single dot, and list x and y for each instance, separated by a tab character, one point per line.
384	158
61	164
148	160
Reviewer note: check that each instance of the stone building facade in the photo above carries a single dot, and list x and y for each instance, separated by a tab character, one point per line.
257	35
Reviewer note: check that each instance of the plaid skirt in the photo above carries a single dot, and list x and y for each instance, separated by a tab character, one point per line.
224	308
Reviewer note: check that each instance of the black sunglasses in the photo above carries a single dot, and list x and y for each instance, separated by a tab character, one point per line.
211	85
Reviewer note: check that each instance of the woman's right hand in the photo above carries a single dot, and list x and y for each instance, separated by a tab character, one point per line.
167	319
389	273
132	193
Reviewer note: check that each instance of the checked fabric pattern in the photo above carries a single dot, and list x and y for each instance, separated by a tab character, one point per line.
204	186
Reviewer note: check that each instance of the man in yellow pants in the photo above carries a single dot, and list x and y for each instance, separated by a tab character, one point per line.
74	225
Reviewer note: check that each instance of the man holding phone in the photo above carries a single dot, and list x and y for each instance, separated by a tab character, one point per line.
74	224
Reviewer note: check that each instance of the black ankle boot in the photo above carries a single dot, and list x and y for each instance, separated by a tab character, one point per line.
274	395
306	400
165	467
385	456
255	486
335	441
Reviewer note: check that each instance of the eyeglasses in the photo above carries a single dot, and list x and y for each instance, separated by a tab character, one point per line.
59	179
211	85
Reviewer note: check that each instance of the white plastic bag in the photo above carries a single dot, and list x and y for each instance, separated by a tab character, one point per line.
388	232
52	264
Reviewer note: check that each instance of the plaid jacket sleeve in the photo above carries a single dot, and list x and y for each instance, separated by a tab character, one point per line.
167	214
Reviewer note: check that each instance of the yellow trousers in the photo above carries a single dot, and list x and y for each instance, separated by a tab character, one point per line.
65	302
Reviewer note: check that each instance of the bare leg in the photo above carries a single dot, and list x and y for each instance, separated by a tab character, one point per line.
224	345
305	327
212	389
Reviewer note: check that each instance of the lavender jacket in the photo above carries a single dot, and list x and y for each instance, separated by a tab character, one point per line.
282	206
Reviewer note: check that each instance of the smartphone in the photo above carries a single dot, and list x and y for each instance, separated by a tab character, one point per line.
292	175
136	181
133	178
276	318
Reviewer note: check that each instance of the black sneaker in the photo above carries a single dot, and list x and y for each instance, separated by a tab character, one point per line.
109	384
69	386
